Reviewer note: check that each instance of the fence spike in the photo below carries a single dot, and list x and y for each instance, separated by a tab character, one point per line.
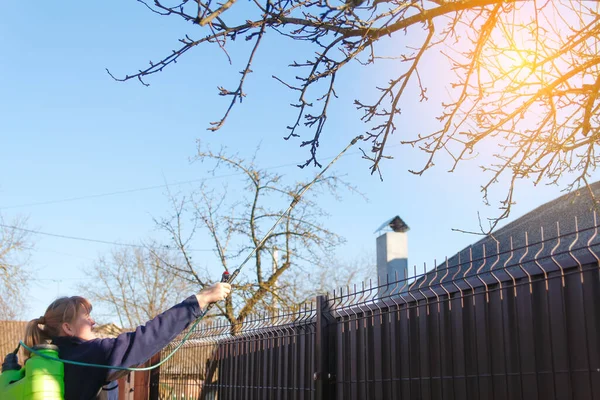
536	259
362	292
454	281
361	301
431	284
247	323
521	262
354	302
410	292
342	306
404	285
562	273
395	282
259	319
442	284
467	271
309	312
371	298
376	303
359	294
342	300
387	283
478	274
494	266
572	253
297	316
423	295
514	281
393	298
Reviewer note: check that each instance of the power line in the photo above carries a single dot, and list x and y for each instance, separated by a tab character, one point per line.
98	195
154	187
36	248
139	246
58	280
131	191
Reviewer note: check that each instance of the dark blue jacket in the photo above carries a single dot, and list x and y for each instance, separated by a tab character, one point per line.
126	350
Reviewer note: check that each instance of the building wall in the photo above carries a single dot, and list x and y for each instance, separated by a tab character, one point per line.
10	334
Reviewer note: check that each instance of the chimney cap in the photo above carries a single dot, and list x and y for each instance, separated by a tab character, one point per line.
396	224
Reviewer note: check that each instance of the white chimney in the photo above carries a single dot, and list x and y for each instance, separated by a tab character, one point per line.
392	256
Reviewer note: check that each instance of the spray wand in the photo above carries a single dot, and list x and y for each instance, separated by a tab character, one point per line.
226	277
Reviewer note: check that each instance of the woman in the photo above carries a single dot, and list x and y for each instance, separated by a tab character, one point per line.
67	324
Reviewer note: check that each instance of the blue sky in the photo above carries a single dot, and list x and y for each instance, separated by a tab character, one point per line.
68	130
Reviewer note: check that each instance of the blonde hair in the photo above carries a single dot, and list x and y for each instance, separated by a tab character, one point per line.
64	309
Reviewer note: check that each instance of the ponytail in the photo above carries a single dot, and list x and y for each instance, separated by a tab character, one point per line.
35	334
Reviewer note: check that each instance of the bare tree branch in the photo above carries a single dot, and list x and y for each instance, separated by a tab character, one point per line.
521	76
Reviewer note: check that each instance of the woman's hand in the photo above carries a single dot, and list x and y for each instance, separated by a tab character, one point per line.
212	294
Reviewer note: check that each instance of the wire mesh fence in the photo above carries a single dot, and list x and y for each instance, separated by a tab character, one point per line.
267	357
518	319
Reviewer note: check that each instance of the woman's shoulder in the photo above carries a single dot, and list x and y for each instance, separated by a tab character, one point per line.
74	348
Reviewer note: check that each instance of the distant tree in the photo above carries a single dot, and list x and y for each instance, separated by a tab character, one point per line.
133	284
333	274
522	76
15	247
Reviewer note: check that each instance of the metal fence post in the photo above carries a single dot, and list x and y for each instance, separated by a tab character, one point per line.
154	381
324	347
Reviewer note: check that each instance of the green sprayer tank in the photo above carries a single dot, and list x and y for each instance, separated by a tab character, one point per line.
39	379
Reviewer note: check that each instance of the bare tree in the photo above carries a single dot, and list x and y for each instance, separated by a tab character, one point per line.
523	76
134	285
235	219
15	246
333	274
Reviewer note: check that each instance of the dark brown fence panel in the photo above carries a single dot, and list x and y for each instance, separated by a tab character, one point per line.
512	341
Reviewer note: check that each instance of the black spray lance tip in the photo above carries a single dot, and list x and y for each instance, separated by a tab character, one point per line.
225	277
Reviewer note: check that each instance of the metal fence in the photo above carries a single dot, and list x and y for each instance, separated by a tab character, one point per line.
513	320
272	357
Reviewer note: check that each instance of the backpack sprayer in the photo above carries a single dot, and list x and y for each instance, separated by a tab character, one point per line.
42	376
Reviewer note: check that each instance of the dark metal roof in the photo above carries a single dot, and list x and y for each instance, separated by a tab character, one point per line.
558	234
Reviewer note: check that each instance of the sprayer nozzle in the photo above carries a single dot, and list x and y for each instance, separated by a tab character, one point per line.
225	277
